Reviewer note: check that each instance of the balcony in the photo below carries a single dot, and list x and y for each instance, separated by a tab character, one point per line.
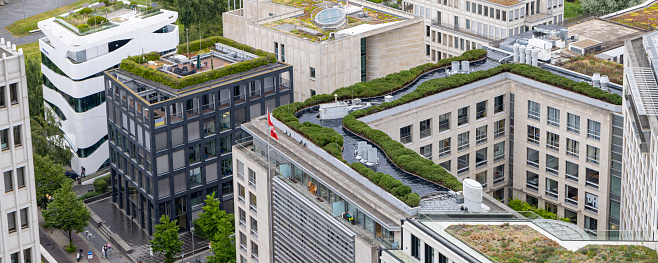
269	90
237	99
254	94
224	103
285	84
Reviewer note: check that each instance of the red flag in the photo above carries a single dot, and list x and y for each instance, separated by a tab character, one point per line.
272	130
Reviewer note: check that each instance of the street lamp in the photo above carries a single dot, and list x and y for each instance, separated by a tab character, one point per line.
192	231
187	35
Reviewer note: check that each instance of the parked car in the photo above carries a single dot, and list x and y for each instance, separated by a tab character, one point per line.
71	175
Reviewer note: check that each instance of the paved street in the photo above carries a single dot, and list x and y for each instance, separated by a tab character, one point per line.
13	12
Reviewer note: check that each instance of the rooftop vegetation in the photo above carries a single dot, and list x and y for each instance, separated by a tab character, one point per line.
521	243
645	18
91	17
132	65
589	65
518	205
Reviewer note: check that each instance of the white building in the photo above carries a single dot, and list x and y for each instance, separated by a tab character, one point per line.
72	66
19	229
455	26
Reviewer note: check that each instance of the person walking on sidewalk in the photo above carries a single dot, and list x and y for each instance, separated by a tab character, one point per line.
82	171
103	254
109	248
79	256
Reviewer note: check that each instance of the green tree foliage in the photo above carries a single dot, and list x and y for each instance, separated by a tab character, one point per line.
96	20
200	17
34	85
607	6
218	227
48	138
66	212
165	239
49	178
518	205
100	186
572	9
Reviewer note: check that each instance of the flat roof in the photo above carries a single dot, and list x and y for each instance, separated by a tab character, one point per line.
585	43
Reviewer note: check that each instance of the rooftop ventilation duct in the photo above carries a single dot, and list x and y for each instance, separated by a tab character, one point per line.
528	56
605	82
372	156
596	80
455	66
388	98
516	52
466	67
359	149
535	57
522	54
472	195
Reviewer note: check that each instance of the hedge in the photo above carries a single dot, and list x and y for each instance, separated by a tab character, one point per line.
100	186
82	26
96	20
332	142
88	195
131	65
143	58
520	206
85	10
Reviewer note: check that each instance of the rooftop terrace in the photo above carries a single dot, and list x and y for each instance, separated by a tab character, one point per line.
318	19
93	17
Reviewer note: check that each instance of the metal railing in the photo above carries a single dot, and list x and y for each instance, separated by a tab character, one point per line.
285	84
425	133
239	98
269	90
572	178
405	139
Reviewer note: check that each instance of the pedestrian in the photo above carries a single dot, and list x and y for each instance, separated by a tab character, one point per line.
109	248
82	171
79	256
103	251
105	248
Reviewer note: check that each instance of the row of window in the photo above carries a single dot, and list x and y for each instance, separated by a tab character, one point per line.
243	247
17	176
481	159
27	256
481	112
78	104
428	251
571	193
5	140
572	146
13	221
573	120
590	223
13	94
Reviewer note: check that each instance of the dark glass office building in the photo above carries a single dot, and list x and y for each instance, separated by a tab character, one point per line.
169	148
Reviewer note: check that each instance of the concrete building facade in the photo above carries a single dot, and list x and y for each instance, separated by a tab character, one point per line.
455	26
521	139
19	227
170	148
349	55
73	65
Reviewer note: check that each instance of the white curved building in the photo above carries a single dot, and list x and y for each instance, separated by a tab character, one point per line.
72	66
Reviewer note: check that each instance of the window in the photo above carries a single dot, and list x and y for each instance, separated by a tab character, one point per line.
533	158
209	127
11	222
462	116
242	217
254	250
312	70
429	254
252	178
532	201
533	134
462	164
225	121
481	135
243	242
571	195
196	198
552	164
462	141
193	154
593	154
254	226
225	144
426	151
444	148
591	202
499	128
444	122
27	255
405	134
573	216
499	104
572	171
227	188
551	188
591	224
446	165
3	102
481	110
553	117
572	148
425	128
442	258
482	179
13	93
573	123
17	136
210	149
499	151
241	193
534	110
195	177
532	181
9	182
592	178
499	174
593	129
552	141
415	247
20	177
253	204
481	157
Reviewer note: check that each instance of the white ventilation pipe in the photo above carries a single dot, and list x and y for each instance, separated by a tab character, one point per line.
466	67
528	56
359	149
516	52
596	80
535	57
604	82
472	195
522	54
455	66
372	156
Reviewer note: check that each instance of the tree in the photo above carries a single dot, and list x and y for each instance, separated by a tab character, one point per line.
218	227
34	85
49	177
66	213
165	239
48	138
223	248
607	6
198	15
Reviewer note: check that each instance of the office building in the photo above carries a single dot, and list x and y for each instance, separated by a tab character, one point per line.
455	26
19	228
74	58
170	147
329	44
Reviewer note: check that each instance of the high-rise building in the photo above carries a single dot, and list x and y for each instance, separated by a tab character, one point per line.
639	206
171	147
454	26
19	228
340	45
74	58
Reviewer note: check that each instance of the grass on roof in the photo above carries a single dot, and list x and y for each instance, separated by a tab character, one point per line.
22	28
645	18
589	65
521	243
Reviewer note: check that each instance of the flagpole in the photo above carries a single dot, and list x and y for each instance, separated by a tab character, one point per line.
268	145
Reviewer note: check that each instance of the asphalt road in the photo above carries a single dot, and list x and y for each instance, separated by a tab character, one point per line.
13	12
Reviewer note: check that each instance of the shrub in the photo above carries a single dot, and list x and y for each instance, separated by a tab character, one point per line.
518	205
88	195
70	248
85	11
100	186
96	20
151	56
82	26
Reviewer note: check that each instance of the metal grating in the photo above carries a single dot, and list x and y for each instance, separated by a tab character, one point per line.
644	89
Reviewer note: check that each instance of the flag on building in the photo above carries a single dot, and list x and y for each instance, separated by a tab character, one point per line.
272	130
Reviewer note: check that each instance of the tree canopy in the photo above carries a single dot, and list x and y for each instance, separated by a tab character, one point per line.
66	212
49	178
218	227
607	6
48	139
165	239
